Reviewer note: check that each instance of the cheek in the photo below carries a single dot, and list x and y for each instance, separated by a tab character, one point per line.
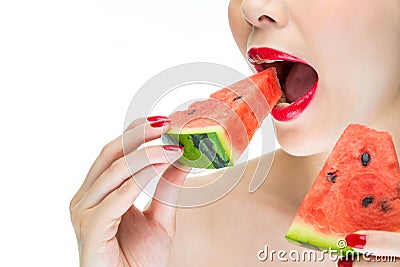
357	55
239	27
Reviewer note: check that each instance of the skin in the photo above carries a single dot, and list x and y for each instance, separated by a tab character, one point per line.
345	43
353	46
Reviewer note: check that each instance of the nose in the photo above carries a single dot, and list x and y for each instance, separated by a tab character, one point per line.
262	13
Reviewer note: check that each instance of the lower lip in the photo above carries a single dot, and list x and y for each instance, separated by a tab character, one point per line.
294	110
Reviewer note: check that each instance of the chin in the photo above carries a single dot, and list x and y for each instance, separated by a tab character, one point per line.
303	143
299	150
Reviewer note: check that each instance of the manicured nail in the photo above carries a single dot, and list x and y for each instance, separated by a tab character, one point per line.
356	241
345	263
158	124
157	118
158	121
173	147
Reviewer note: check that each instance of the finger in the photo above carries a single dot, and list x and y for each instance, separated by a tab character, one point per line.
152	129
378	243
111	152
163	207
124	168
135	134
135	123
121	199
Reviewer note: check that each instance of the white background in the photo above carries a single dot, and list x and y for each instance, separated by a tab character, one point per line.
68	71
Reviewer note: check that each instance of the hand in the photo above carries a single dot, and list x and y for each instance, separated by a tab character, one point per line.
379	248
110	230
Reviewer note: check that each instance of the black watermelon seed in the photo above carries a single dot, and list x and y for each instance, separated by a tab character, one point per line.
331	177
365	158
385	206
191	112
367	201
238	97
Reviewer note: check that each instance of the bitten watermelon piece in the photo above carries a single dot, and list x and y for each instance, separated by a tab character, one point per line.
357	189
216	131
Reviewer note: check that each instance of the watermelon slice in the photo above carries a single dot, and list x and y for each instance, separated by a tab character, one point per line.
357	189
216	131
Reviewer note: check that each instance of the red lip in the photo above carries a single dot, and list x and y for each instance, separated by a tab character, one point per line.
295	109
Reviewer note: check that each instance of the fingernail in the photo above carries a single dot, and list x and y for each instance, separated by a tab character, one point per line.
158	124
158	121
156	118
356	241
345	263
173	147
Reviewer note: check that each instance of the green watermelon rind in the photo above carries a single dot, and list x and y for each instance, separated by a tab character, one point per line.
217	156
350	148
307	236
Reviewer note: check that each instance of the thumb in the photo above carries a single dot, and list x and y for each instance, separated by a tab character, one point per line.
164	203
377	243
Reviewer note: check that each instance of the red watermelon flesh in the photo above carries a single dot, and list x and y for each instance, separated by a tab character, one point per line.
252	106
216	131
357	189
204	119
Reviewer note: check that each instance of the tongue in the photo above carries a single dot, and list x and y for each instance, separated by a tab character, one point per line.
299	81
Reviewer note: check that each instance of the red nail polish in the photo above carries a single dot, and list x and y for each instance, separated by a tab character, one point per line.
158	124
356	240
345	263
173	147
158	121
157	118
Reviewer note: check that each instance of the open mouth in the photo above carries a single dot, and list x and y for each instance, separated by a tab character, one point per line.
298	80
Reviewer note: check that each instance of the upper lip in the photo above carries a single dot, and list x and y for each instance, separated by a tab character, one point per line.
259	55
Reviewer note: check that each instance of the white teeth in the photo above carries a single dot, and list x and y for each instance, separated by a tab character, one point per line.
268	61
282	99
282	105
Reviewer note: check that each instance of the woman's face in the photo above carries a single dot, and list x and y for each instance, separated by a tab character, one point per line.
353	48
